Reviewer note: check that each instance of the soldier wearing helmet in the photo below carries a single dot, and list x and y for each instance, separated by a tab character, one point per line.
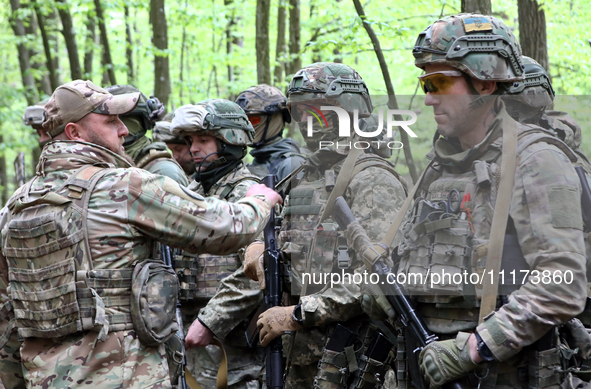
309	237
33	116
216	296
147	154
489	203
177	145
266	107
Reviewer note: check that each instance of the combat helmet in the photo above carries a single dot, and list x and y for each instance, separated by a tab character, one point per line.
34	114
222	119
327	84
531	96
163	133
147	112
270	103
481	46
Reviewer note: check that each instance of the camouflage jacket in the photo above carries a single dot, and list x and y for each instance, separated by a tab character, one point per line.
374	194
546	218
157	159
129	208
237	296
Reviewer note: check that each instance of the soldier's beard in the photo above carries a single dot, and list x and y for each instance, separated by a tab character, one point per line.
97	140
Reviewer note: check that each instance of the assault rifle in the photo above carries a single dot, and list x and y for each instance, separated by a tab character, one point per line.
273	292
391	297
165	252
19	169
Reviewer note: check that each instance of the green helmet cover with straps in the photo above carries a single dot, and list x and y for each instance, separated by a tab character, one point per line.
536	90
144	110
220	118
327	84
481	46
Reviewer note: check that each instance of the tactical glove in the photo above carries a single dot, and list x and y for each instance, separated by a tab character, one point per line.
275	322
581	337
254	267
446	361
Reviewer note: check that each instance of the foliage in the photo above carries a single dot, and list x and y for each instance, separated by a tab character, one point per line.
330	30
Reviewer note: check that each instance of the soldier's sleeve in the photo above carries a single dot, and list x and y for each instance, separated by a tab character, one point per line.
10	361
546	210
169	213
375	196
236	298
168	168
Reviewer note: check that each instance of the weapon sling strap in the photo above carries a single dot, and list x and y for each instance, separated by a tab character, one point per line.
500	217
222	378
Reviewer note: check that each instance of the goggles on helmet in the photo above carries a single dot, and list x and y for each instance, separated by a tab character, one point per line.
438	82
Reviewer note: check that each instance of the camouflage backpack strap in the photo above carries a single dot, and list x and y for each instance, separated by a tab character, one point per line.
152	157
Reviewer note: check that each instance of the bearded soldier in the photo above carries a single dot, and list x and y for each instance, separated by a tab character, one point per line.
266	108
491	203
177	145
77	282
147	154
216	296
309	236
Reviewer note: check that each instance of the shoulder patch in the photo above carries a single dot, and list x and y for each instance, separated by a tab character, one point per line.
477	24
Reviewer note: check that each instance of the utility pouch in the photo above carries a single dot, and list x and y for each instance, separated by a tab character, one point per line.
373	364
545	364
175	353
338	358
154	291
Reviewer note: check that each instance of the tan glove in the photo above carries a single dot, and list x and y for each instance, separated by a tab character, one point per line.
274	322
254	267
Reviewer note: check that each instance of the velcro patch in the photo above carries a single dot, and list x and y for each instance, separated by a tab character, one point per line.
477	24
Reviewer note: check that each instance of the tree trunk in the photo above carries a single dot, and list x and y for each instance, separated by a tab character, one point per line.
280	48
315	51
160	40
183	49
47	48
128	48
70	39
52	28
295	62
23	55
483	7
262	42
532	32
107	61
230	39
41	79
89	45
3	176
392	103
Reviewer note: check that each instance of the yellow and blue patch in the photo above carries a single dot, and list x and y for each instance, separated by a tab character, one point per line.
477	24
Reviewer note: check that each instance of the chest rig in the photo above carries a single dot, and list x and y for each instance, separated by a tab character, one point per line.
54	289
315	245
200	274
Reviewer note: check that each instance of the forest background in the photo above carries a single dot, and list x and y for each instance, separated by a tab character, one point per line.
185	51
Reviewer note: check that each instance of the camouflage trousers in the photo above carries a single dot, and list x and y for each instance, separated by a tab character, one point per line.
81	360
245	366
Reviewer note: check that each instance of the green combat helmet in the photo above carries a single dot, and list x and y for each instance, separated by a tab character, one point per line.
481	46
326	84
269	102
163	133
222	119
33	115
142	118
527	100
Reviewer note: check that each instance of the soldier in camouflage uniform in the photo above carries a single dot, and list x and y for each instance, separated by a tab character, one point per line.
147	154
266	108
72	236
375	193
450	223
33	116
216	296
177	145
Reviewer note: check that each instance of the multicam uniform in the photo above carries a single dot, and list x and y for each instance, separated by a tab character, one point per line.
374	193
214	288
127	210
544	232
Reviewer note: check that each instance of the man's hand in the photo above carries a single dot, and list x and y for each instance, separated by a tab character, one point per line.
198	335
254	267
260	189
447	360
274	322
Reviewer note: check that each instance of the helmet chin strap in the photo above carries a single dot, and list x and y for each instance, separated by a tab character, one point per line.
198	168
